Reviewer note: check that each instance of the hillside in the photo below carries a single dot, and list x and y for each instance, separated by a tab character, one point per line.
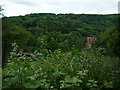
69	27
48	51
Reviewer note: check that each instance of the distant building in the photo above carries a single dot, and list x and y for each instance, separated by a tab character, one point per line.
90	39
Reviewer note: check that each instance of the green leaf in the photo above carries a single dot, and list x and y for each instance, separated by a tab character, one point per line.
88	84
31	85
68	79
13	54
75	79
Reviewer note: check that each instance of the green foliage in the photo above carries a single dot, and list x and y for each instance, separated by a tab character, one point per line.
12	33
62	30
59	70
69	82
59	43
92	83
109	41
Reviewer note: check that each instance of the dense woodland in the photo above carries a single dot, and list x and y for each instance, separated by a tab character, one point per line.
57	56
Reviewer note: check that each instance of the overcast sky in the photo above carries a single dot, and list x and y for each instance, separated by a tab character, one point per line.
22	7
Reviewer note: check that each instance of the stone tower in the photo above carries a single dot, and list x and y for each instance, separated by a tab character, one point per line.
90	39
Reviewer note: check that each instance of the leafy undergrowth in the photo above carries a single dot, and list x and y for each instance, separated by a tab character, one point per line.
60	69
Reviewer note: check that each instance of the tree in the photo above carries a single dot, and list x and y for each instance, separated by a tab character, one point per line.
12	34
109	40
1	9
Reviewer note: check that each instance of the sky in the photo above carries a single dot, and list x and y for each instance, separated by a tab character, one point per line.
23	7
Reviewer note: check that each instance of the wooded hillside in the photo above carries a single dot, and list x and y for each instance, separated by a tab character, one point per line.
46	50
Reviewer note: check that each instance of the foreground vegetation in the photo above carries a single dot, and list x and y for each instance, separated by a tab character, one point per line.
60	69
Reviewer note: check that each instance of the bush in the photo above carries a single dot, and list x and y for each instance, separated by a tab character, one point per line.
60	69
